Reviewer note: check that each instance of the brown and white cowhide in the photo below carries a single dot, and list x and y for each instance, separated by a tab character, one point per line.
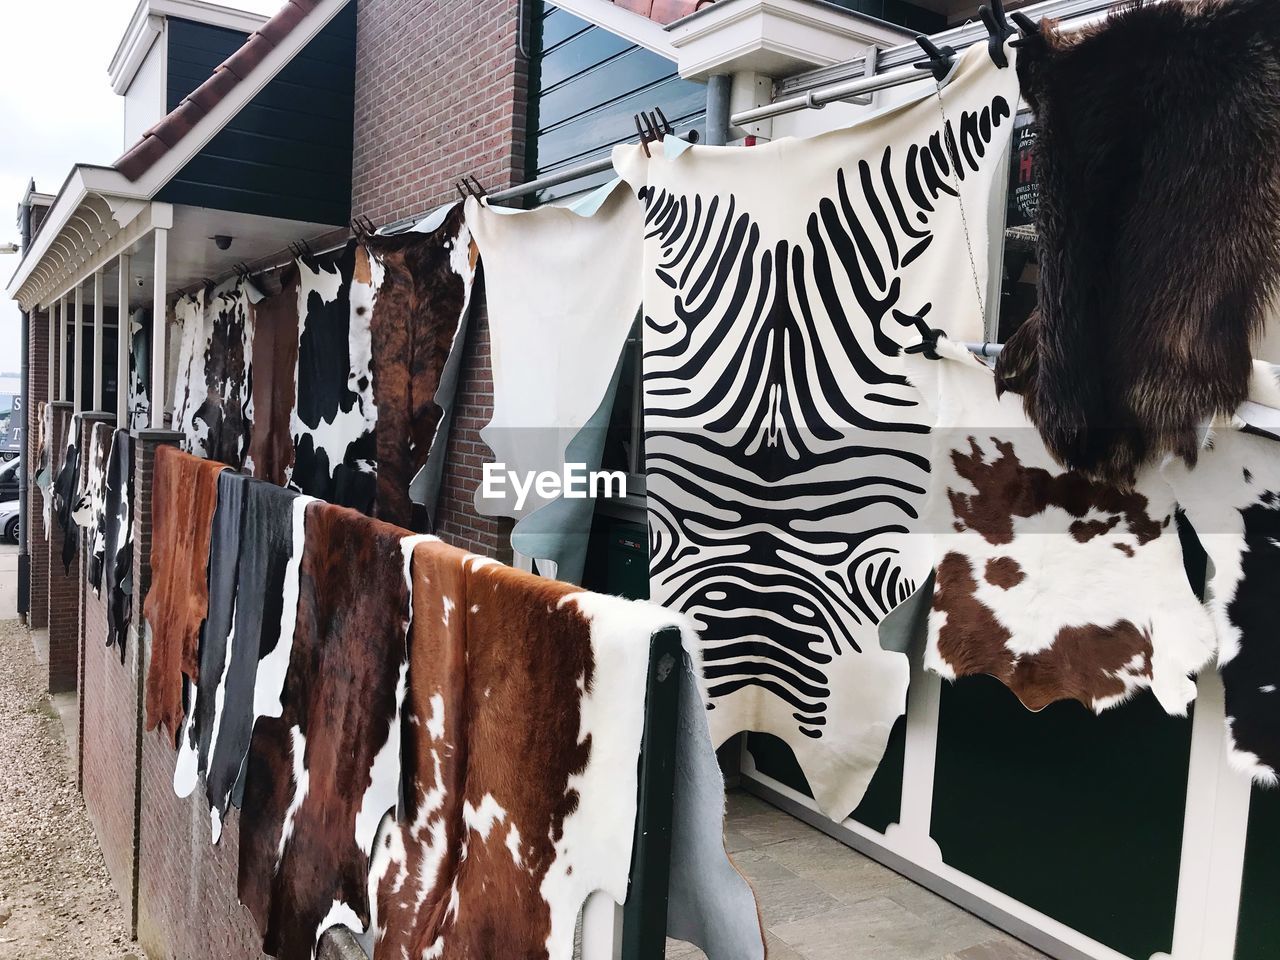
184	495
89	512
275	347
333	413
117	572
418	329
1062	587
324	771
1232	498
523	725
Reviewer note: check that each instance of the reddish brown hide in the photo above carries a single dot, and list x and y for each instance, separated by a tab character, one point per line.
416	316
182	503
339	707
491	724
275	360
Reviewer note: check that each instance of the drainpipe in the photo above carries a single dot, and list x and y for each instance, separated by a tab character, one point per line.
24	493
718	87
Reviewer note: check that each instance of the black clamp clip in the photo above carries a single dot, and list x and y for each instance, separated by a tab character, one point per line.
940	58
929	336
998	29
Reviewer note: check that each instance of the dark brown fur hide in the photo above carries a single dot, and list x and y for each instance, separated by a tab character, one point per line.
1159	227
275	355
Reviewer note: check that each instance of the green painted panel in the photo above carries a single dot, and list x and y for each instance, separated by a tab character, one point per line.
1258	936
1076	815
287	153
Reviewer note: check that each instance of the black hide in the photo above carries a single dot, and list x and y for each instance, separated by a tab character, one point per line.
224	552
1159	227
118	557
266	542
65	491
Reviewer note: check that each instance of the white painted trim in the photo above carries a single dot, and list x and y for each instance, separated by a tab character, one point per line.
159	323
77	352
124	340
623	23
601	928
146	21
62	349
98	327
1215	831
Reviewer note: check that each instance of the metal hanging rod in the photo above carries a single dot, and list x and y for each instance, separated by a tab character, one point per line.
816	99
553	180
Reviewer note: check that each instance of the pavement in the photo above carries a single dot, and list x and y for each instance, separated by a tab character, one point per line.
8	581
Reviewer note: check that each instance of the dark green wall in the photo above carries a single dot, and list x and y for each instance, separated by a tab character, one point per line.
1258	937
288	151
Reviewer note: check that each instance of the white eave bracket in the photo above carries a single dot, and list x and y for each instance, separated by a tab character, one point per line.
776	38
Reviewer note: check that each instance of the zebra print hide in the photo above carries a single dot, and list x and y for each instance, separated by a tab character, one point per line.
786	455
556	340
1062	587
1232	499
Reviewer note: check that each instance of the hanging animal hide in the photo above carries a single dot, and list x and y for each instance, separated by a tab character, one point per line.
786	456
66	493
522	734
334	414
89	512
43	480
218	645
117	571
422	297
556	338
139	372
323	773
184	495
1159	228
275	345
252	606
1232	499
1062	587
213	402
188	375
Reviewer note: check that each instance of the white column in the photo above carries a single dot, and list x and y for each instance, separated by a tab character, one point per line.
63	321
158	323
55	310
99	334
77	352
124	343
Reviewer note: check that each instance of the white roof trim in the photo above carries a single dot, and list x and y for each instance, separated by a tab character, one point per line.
147	23
624	23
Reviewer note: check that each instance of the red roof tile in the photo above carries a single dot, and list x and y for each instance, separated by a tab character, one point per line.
663	11
167	133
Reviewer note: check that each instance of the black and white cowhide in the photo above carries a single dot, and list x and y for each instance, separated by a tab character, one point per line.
1063	587
140	371
213	398
66	486
117	574
1232	498
89	512
334	414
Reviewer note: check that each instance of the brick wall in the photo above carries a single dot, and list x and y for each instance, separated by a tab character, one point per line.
441	93
108	727
63	588
37	543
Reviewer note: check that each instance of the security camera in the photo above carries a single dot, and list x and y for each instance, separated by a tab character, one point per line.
137	281
222	241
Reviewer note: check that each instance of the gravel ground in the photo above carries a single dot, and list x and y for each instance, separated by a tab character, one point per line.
56	900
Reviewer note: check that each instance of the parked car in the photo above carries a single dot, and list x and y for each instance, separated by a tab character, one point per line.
9	512
9	480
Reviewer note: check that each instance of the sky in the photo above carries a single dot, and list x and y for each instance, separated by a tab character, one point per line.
53	118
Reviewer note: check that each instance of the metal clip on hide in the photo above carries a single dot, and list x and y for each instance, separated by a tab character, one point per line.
940	58
652	127
999	30
469	187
